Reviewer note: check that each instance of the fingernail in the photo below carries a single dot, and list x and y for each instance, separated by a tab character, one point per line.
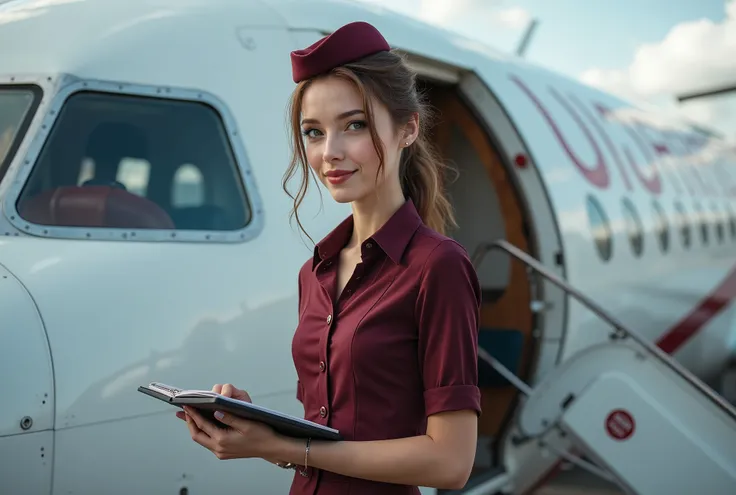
219	415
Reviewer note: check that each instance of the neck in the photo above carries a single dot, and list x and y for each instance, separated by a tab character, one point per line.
369	214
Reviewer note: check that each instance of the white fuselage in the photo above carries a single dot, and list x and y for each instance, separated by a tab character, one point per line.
86	319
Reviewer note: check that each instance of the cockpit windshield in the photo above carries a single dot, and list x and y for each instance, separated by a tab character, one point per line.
16	110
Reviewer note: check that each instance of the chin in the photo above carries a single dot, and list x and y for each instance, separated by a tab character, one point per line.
344	194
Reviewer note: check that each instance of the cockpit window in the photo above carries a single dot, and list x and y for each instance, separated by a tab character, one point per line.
17	105
136	162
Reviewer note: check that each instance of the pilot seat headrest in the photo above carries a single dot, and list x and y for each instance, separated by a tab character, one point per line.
94	206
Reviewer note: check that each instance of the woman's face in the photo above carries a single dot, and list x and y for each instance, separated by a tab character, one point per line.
338	141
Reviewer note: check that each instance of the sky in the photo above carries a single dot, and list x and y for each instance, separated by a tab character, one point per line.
644	50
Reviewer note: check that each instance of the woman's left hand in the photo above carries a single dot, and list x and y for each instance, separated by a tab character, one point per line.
244	439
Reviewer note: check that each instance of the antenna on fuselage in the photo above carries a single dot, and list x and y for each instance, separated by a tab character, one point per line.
704	93
526	38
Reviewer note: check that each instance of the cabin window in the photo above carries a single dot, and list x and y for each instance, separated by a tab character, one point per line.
600	228
684	225
702	220
731	221
633	227
17	106
718	221
661	227
134	162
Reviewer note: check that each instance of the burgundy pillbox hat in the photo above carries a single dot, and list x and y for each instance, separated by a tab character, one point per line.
349	43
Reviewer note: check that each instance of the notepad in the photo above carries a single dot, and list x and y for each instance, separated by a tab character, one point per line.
207	402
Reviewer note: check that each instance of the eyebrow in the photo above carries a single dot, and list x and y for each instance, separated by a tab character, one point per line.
343	115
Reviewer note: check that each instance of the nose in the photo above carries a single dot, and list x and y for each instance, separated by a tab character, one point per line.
333	150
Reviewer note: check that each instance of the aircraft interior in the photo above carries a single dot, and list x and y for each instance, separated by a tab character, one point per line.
193	185
483	185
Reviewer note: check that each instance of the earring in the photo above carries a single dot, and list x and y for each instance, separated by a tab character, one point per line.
407	143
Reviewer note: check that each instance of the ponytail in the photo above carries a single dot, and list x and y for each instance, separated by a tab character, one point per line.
423	181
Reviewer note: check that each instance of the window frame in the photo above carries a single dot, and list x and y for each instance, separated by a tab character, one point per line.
719	231
627	205
684	225
702	224
661	226
731	221
72	85
591	201
25	125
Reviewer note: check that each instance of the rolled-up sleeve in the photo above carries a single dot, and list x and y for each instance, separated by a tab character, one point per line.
448	309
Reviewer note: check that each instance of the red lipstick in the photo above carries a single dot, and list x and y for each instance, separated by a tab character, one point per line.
339	176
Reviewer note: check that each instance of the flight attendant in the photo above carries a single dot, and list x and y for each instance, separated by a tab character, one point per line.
386	344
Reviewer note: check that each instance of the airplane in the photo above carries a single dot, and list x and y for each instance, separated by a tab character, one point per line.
145	236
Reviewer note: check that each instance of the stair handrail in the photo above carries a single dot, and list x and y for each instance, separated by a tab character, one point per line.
668	361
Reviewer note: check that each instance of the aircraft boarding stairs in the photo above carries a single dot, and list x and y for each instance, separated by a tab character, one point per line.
640	419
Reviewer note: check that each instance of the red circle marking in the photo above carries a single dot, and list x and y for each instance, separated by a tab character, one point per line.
620	424
520	160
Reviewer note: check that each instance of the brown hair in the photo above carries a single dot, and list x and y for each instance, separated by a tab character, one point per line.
386	77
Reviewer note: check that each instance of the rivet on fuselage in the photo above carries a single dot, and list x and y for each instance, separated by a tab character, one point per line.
26	422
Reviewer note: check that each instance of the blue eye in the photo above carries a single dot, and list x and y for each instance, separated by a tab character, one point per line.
361	125
307	132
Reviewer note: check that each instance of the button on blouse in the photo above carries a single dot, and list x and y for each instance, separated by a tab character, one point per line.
399	345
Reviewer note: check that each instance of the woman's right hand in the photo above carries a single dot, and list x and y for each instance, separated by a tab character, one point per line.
233	392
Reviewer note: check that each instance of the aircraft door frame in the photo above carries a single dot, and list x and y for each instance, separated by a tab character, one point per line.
550	305
27	416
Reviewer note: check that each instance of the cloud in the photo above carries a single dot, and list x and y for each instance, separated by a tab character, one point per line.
693	56
443	12
613	80
459	12
461	15
512	17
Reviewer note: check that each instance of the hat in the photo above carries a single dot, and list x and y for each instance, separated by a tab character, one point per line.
351	42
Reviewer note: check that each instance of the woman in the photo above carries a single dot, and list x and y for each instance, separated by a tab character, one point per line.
385	347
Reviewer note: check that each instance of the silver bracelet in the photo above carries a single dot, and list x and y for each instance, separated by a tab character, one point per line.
306	458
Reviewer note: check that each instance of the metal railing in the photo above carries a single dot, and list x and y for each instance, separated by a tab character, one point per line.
619	327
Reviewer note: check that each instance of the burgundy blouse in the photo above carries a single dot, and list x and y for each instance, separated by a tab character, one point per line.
398	346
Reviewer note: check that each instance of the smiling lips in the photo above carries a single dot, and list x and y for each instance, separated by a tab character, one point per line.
339	176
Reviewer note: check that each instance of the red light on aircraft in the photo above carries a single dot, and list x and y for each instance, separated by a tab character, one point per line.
520	160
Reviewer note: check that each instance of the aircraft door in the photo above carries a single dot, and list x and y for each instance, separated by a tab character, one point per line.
26	382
